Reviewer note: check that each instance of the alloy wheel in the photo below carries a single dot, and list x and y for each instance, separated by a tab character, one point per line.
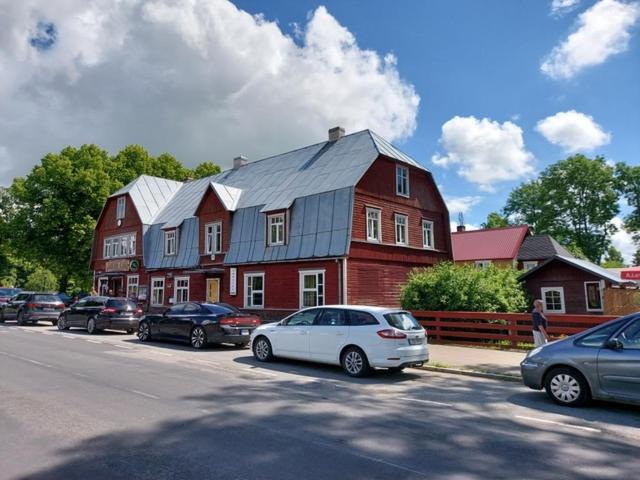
62	322
91	325
565	388
262	349
198	337
353	362
143	332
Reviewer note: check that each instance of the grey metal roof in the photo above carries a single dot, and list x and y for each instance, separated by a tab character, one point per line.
187	254
584	265
149	195
541	247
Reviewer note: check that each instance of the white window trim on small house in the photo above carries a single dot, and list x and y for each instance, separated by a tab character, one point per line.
401	229
586	296
180	290
157	288
319	289
543	293
482	263
170	235
530	265
402	181
121	207
374	218
213	238
427	234
249	290
279	221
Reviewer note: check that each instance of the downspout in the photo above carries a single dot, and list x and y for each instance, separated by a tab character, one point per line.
344	282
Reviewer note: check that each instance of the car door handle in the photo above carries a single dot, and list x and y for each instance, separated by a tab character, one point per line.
339	334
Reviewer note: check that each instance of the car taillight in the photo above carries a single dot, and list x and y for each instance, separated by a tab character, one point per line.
60	306
227	321
391	333
137	312
31	305
109	310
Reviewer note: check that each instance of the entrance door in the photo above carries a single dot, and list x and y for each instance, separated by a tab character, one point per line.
213	290
116	287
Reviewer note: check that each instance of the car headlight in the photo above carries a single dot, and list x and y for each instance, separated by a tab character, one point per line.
535	351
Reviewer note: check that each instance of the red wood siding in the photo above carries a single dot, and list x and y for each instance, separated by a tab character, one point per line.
211	210
375	282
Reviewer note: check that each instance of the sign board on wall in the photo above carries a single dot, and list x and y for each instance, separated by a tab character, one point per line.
117	266
233	281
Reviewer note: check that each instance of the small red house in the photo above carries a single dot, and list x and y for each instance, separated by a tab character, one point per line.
342	221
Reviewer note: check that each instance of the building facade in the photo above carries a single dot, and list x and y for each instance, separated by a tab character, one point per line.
342	221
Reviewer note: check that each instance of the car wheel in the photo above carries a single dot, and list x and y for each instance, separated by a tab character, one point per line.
262	349
396	369
1	316
567	387
354	362
62	323
241	344
91	326
198	337
144	332
20	318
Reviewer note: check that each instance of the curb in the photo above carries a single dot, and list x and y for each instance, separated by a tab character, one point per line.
474	373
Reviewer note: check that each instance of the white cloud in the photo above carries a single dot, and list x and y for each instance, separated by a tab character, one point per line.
461	204
573	131
623	241
562	7
198	78
486	151
602	30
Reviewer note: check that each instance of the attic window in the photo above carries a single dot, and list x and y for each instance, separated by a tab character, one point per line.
121	205
275	229
402	181
170	242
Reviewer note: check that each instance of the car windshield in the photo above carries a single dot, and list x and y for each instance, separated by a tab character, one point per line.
121	304
596	337
402	321
46	298
8	292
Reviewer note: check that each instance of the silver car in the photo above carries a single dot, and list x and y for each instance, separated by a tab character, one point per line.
601	363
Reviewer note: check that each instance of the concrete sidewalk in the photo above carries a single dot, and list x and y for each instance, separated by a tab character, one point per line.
482	360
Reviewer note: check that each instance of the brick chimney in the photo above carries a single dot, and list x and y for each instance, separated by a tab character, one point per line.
336	133
460	228
239	162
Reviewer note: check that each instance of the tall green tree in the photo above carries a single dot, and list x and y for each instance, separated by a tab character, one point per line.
628	184
574	200
636	258
205	169
495	220
134	160
613	258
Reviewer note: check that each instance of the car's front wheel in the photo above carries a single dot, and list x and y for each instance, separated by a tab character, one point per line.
262	349
20	318
198	337
1	316
567	387
144	332
354	362
91	326
62	323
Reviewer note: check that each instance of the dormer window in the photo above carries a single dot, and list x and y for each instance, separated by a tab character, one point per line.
275	229
120	208
213	238
402	181
170	242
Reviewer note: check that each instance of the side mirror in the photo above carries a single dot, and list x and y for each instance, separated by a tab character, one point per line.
614	344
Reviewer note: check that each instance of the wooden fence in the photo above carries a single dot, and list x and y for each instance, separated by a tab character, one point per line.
509	330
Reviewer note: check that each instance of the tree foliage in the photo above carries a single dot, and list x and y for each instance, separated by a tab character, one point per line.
41	280
495	220
573	200
636	257
205	169
451	287
613	258
628	184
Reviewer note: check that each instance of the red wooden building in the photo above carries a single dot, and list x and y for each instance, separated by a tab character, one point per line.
342	221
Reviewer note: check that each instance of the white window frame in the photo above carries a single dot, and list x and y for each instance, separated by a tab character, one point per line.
120	246
121	207
543	292
404	241
586	296
153	290
167	235
378	213
529	265
427	240
320	296
248	294
213	237
402	181
280	228
133	285
181	290
482	263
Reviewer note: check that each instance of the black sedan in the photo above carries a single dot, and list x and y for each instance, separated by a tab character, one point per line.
200	324
100	313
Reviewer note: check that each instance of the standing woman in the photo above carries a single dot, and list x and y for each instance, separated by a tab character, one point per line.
539	321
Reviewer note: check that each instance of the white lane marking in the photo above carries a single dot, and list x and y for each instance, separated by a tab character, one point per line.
429	402
68	335
122	346
162	353
148	395
78	374
93	341
204	410
261	372
26	330
561	424
35	362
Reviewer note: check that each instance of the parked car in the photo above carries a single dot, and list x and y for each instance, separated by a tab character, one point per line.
358	338
200	324
7	294
66	299
601	363
100	313
32	307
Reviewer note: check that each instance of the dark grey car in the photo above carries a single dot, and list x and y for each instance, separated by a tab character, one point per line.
601	363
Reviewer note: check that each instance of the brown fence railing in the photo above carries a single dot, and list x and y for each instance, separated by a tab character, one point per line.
510	330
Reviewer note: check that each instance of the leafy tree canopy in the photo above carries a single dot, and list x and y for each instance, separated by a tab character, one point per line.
628	184
205	169
495	220
613	258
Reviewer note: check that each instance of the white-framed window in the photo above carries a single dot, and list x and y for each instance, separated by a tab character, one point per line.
529	265
553	299
181	289
275	229
213	237
402	181
427	234
374	232
254	290
120	207
133	282
120	246
593	296
483	263
401	229
157	291
170	242
312	288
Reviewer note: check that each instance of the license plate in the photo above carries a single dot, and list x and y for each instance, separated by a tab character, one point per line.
415	341
48	309
244	332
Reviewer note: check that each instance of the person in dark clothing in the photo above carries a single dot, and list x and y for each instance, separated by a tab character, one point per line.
539	321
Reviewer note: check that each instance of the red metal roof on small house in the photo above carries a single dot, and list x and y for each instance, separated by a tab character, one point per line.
488	243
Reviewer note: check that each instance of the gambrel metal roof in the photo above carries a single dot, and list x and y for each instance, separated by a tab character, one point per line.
149	195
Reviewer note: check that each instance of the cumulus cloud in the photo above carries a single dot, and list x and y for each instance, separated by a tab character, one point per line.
602	30
562	7
461	204
573	131
623	241
485	151
198	78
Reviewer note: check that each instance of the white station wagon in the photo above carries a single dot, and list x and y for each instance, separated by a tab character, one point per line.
358	338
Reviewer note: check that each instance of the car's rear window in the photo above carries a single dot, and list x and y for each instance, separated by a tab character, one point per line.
229	307
218	309
402	321
46	298
8	292
121	304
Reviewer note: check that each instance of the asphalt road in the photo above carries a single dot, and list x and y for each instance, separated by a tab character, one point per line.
74	406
